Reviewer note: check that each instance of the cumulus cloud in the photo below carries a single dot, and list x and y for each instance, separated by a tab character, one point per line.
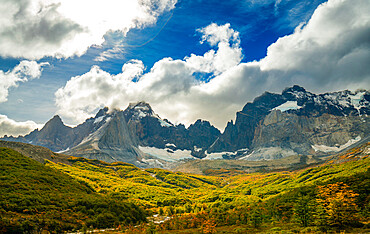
332	48
330	52
34	29
24	71
229	53
13	128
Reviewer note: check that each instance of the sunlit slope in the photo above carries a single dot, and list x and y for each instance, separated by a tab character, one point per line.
158	187
43	197
150	187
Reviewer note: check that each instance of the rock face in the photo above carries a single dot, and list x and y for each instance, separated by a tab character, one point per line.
110	142
295	122
152	131
54	135
59	137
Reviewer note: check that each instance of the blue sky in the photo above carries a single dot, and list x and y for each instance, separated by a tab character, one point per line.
172	32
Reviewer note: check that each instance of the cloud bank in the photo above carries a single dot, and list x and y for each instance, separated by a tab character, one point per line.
24	71
33	29
13	128
329	52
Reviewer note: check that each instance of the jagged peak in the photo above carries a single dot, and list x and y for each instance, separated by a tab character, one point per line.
295	88
55	120
56	117
54	123
140	104
141	109
202	121
102	112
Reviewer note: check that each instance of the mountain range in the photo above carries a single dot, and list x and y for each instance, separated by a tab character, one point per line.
273	126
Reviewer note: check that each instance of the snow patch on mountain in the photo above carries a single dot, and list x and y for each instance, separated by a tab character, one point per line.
153	162
213	156
268	153
166	154
141	110
356	100
62	151
99	119
163	123
326	149
289	105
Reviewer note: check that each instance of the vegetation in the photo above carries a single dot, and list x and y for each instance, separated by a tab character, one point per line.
34	197
334	196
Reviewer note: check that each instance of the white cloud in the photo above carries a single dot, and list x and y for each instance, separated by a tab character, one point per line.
333	48
229	53
34	29
24	71
330	52
13	128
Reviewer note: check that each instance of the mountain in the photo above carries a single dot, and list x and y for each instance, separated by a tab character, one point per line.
153	132
296	122
293	123
110	142
58	137
138	135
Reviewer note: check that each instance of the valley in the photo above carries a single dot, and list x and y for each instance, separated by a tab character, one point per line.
92	192
178	116
291	162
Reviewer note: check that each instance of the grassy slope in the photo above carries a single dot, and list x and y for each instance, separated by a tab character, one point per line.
158	187
33	196
146	187
37	153
29	189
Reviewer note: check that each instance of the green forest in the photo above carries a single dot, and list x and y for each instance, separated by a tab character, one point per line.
90	194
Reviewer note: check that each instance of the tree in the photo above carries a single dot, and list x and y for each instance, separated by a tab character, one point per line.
256	217
338	205
208	226
304	210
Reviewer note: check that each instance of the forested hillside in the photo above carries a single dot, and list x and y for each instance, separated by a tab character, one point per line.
34	197
89	194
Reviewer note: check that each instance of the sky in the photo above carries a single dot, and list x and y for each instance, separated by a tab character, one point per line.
189	59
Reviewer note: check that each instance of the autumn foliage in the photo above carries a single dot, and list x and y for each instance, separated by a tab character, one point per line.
337	203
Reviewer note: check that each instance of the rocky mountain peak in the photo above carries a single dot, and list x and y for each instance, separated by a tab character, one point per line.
201	122
141	104
294	121
54	122
102	112
139	110
296	93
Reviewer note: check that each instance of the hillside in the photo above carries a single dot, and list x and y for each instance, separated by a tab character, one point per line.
249	200
34	197
228	200
35	152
